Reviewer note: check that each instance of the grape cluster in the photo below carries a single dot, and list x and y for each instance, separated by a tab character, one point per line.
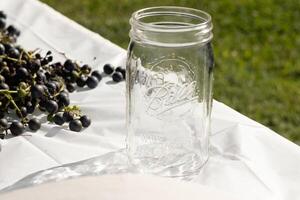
31	81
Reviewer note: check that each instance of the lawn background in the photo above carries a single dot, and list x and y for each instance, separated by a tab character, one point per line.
256	44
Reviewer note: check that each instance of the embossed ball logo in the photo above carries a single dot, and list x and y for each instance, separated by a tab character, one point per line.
170	89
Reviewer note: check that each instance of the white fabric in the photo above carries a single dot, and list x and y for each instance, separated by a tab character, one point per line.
119	187
247	158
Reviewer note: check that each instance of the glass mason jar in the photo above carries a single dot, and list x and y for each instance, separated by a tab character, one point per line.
169	90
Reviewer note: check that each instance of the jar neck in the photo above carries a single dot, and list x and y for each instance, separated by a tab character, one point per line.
170	26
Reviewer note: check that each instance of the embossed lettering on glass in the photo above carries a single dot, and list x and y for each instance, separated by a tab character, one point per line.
169	90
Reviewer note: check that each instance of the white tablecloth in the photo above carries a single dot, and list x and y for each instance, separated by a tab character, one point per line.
247	158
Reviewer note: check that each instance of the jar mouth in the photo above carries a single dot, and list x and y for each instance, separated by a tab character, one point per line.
171	19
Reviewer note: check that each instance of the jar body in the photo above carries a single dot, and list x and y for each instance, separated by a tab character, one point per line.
169	98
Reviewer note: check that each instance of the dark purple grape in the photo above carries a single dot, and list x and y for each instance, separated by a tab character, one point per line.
51	106
59	119
119	69
2	24
108	69
85	120
12	30
35	66
8	47
122	71
14	53
86	69
42	105
2	15
69	65
22	112
81	81
40	77
92	82
16	128
49	59
37	91
75	125
51	86
30	107
67	116
117	77
63	100
70	87
4	86
97	74
22	73
3	123
34	124
2	49
2	79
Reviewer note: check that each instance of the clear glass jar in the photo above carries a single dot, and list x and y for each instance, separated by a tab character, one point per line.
169	90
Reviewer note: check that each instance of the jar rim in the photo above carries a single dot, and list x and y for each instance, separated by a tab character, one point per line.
171	10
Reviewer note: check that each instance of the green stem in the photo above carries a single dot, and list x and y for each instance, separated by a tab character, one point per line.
14	103
12	59
8	91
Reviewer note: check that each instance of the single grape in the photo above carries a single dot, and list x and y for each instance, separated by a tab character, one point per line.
16	128
14	53
49	59
58	119
108	69
51	86
22	112
75	125
70	87
4	86
42	105
81	81
86	69
119	69
40	77
2	15
22	73
85	120
34	65
8	47
97	74
30	107
63	99
2	49
51	106
11	30
69	65
2	24
117	77
3	123
37	91
34	124
67	116
92	82
2	79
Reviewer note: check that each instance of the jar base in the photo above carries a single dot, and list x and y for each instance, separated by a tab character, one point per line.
172	165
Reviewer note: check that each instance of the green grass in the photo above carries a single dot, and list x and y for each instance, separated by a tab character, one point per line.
256	43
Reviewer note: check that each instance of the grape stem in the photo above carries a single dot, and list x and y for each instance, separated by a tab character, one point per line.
8	91
12	59
9	97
